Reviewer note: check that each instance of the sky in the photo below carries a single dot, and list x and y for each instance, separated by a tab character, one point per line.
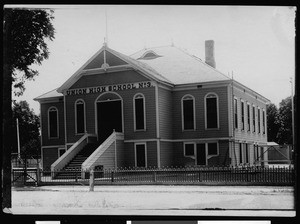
253	44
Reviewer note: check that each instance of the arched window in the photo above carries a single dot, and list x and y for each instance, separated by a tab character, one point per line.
188	112
53	122
211	111
139	112
79	117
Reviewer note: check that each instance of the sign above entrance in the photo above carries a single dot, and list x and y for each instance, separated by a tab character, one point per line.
109	88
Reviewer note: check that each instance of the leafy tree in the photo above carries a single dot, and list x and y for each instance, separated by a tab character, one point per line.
272	122
29	124
24	41
285	134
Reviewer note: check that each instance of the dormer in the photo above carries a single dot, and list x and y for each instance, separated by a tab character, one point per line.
149	55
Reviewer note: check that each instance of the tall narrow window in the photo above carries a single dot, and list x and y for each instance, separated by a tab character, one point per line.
188	113
243	115
264	122
53	122
139	112
253	118
235	114
241	152
247	152
248	117
258	119
79	116
211	111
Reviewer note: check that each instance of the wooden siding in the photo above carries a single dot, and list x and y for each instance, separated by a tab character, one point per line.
244	134
165	113
44	115
108	79
151	154
107	159
112	60
166	154
178	156
120	154
49	157
223	158
200	131
129	154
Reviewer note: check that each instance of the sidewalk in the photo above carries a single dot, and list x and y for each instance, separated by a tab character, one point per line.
155	200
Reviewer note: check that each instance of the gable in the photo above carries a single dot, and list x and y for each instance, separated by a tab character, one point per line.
99	60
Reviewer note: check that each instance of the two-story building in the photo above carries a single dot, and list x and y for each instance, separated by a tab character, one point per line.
158	107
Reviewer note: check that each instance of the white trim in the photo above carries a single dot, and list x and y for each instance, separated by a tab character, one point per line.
194	112
157	119
205	111
141	140
52	146
237	112
178	140
259	120
144	111
254	117
248	117
184	149
264	120
50	108
41	125
135	156
242	112
96	110
84	116
214	155
203	85
230	111
58	151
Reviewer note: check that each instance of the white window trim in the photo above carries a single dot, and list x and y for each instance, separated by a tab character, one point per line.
84	116
254	117
184	147
50	108
249	128
210	156
144	105
59	150
205	110
264	124
259	120
194	113
206	151
237	113
243	128
135	156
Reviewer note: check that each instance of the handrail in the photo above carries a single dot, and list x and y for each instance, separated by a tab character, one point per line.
92	160
71	152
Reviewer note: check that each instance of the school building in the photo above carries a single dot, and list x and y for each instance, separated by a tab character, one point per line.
158	107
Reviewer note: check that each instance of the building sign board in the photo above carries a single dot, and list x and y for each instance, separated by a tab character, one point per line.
109	88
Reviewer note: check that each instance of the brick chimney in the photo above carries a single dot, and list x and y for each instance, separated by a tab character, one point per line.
210	53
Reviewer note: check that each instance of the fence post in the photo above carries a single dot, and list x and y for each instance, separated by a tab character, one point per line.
200	176
154	176
92	180
38	176
76	176
112	176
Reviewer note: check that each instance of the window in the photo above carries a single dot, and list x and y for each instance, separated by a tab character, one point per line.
247	153
241	152
264	122
188	113
211	103
242	115
235	114
253	118
140	155
258	118
248	116
53	122
80	117
139	112
189	149
212	149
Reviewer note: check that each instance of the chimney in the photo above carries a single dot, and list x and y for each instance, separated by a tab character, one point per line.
210	53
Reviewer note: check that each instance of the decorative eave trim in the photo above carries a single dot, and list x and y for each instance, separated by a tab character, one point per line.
50	100
203	85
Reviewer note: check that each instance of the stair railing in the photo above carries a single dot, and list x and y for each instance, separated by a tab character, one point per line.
93	159
62	161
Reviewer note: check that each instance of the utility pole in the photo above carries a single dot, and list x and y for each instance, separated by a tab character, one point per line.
293	128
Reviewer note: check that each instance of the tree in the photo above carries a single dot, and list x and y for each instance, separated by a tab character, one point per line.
24	36
272	123
285	134
29	125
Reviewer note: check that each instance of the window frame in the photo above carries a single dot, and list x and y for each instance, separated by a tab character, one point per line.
243	114
264	121
236	118
139	96
207	96
184	149
258	119
253	118
185	98
57	122
248	118
84	117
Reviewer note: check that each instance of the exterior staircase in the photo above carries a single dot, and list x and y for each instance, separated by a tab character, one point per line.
73	168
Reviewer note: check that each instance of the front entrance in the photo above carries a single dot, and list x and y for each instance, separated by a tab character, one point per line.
109	114
201	154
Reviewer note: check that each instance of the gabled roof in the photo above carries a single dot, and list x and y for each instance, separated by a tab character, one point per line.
49	95
178	66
